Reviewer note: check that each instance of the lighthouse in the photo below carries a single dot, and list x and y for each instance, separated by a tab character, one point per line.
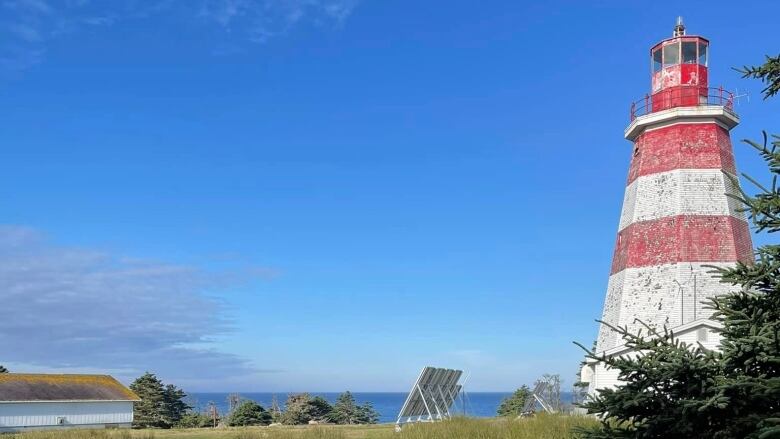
678	219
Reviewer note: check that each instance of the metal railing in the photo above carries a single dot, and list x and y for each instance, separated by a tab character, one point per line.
682	96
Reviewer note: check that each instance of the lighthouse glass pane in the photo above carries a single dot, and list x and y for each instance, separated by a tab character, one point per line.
657	60
703	54
689	52
671	54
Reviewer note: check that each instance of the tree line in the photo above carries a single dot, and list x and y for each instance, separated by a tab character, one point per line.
164	406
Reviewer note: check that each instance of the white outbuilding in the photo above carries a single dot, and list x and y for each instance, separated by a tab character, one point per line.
46	401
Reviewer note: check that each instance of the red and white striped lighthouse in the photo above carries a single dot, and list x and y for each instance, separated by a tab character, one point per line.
676	217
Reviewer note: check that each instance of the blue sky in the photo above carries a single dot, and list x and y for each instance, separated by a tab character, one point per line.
271	195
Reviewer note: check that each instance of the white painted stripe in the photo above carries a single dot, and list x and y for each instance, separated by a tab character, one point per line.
679	192
669	294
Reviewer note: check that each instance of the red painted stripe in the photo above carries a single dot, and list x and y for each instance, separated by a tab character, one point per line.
683	238
682	146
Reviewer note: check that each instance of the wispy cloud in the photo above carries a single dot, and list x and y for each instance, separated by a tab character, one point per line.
70	308
28	26
260	20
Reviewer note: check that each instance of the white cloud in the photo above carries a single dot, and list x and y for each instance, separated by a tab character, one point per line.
66	308
27	26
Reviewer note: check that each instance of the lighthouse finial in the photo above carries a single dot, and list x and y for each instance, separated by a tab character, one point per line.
679	28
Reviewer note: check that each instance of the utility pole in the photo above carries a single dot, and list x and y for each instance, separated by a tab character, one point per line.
212	411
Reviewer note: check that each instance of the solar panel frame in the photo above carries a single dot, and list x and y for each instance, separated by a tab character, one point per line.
432	394
450	388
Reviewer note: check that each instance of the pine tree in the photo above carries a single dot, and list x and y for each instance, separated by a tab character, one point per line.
768	73
673	390
174	405
367	414
161	406
296	410
248	413
149	412
302	408
319	409
347	411
513	404
751	317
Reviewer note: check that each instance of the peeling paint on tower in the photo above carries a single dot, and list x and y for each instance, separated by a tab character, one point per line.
678	219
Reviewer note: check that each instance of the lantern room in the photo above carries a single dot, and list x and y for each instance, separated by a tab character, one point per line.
679	79
679	61
679	65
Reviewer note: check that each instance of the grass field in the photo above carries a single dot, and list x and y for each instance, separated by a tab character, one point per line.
540	427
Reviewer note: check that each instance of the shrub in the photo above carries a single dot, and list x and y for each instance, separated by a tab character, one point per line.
195	420
513	404
249	413
302	408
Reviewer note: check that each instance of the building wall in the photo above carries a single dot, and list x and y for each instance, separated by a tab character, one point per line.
668	295
677	221
598	376
16	416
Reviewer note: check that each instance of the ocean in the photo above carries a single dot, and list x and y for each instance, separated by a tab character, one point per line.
387	404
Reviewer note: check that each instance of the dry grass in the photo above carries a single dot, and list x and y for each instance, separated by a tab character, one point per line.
539	427
543	426
83	434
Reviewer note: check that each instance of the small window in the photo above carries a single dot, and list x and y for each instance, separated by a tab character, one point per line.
671	54
703	54
657	60
689	52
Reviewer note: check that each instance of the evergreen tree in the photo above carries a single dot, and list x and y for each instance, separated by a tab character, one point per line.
319	409
150	411
297	409
513	404
367	414
302	408
174	405
161	406
249	413
347	411
3	369
673	390
768	73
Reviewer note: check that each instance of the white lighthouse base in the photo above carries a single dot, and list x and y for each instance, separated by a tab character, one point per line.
698	333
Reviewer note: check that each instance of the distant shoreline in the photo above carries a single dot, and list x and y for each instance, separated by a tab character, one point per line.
387	404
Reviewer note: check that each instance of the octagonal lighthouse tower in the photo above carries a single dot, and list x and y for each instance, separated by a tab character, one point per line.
676	217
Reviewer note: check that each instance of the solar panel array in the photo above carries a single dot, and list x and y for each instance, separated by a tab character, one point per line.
432	395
